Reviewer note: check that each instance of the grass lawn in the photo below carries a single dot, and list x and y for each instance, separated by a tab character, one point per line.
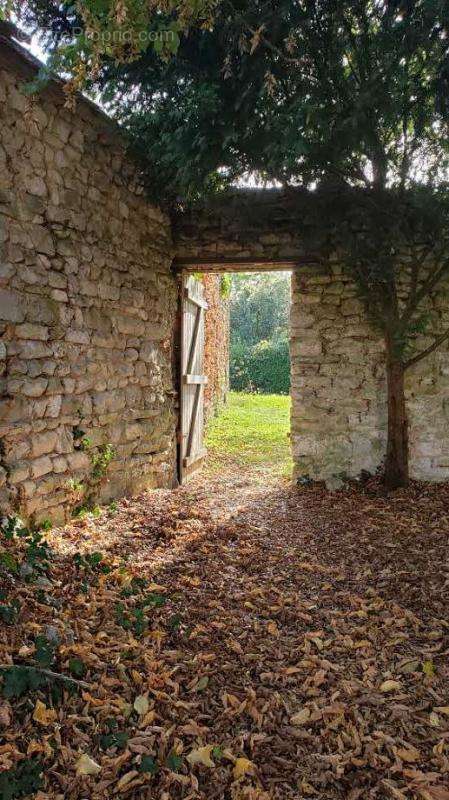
251	431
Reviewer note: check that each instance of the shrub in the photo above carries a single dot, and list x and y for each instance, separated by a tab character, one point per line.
265	367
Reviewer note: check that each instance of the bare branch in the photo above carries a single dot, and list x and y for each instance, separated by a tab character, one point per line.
48	674
416	269
419	357
258	35
426	289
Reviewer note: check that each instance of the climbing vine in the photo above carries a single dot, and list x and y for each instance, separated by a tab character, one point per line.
86	492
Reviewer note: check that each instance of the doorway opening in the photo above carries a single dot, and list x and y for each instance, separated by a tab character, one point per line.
235	385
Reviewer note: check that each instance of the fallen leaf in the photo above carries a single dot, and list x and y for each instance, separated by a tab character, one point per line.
390	686
301	717
438	792
409	754
141	704
87	766
242	766
201	756
125	779
5	715
42	714
408	666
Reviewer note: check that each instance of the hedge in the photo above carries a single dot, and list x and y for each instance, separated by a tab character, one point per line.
264	368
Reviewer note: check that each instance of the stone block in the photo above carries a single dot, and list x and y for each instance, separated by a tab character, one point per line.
56	280
53	406
19	472
108	292
36	186
149	352
34	387
59	296
40	310
77	336
41	466
43	443
78	460
11	306
34	349
60	465
30	331
129	325
28	488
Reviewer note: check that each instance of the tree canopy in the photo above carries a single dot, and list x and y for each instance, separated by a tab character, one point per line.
259	351
260	306
295	92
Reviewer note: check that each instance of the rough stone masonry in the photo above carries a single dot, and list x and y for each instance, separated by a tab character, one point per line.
339	412
87	304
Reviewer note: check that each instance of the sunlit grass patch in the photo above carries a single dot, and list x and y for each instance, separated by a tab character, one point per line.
252	431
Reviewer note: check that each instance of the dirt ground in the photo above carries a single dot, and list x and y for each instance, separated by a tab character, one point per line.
248	640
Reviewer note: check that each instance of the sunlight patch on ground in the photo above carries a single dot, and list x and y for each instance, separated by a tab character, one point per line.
251	431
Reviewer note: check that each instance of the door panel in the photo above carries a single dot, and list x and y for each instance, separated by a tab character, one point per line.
193	379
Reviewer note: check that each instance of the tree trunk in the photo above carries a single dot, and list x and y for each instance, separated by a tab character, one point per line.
396	464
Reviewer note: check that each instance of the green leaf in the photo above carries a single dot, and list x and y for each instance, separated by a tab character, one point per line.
158	45
117	739
25	779
156	600
45	652
148	764
175	622
17	681
77	667
174	762
9	562
10	612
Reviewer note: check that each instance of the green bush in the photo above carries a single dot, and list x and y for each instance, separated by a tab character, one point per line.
264	367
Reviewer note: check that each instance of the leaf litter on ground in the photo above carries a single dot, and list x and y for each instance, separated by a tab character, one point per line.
233	640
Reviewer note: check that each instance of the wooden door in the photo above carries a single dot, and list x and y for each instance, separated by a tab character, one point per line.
193	380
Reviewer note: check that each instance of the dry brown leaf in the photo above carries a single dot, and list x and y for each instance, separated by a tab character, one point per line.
42	714
242	766
141	704
87	766
273	629
409	754
5	715
301	717
390	686
125	780
201	756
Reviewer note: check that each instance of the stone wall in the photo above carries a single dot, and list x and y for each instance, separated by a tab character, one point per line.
87	303
246	229
216	345
88	310
339	413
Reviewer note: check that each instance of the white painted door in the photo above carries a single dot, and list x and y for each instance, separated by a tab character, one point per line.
193	379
